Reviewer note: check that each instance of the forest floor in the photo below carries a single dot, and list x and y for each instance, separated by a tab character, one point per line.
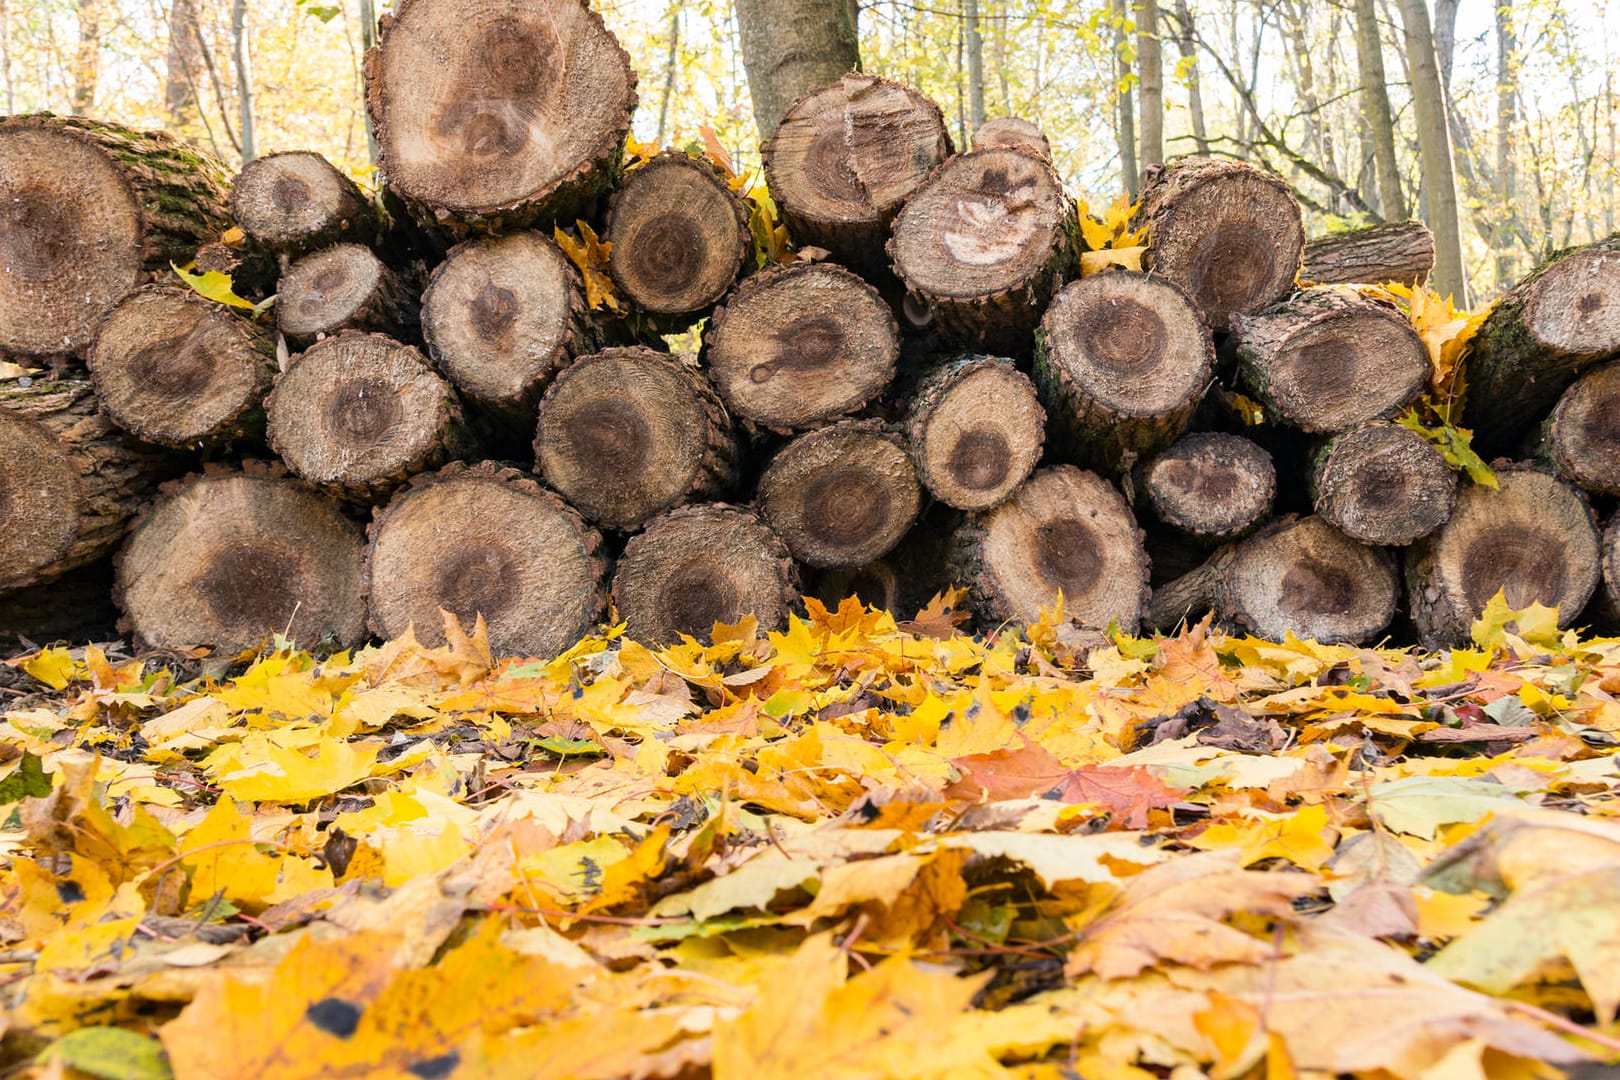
856	848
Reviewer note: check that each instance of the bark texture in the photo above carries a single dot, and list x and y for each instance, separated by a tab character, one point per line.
790	47
1402	253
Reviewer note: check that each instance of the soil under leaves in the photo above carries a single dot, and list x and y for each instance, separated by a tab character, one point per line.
853	849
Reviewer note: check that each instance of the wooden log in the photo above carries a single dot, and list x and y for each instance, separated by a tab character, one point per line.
975	430
496	114
485	540
88	211
680	237
1012	133
1210	486
1122	361
1382	484
75	608
903	581
69	479
1064	530
1298	575
984	242
1535	539
1582	435
796	346
1228	233
296	202
845	157
700	565
1560	320
1401	252
359	414
1606	602
1329	359
173	369
229	558
627	434
343	288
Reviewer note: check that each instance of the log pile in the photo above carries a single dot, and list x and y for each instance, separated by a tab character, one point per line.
440	411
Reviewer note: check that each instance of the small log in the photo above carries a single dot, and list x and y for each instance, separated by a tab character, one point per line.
796	346
1013	133
1210	486
627	434
88	211
1382	484
845	157
343	288
701	565
1064	530
975	430
75	608
1582	436
173	369
494	115
485	540
69	479
359	414
1560	320
1401	253
297	202
680	237
1298	575
1329	359
1228	233
984	242
1122	361
1535	539
227	559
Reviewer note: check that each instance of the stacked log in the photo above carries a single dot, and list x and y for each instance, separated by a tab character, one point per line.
439	413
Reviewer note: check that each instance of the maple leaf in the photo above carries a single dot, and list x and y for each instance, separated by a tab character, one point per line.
1536	624
1032	770
940	617
590	254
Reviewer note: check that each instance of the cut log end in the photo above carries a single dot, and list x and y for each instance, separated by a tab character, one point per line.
1307	577
297	201
1212	486
1583	433
976	430
1012	133
679	234
841	496
1382	484
1574	306
342	287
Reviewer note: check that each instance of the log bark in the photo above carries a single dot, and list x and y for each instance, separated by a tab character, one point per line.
1298	575
1210	486
1402	252
844	159
89	211
1329	359
359	414
69	480
985	243
343	288
626	434
1535	539
975	430
1226	232
701	565
1582	435
492	114
297	202
1382	484
229	558
841	496
1013	133
1065	530
1121	360
173	369
680	237
485	540
796	346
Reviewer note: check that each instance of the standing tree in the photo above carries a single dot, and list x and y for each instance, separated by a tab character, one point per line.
790	47
1375	111
1507	115
244	75
1130	173
1434	148
87	56
1149	57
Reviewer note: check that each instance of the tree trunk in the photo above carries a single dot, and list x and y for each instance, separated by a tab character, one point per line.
87	211
1150	60
1130	172
1330	359
1383	484
1064	531
1402	253
359	414
87	56
296	202
229	559
485	540
1535	539
1013	133
1226	232
796	346
1507	117
975	430
1375	110
791	47
1583	432
1187	45
1434	143
1209	486
975	62
491	115
671	69
985	243
173	369
343	288
241	56
701	565
183	64
626	434
841	496
1122	360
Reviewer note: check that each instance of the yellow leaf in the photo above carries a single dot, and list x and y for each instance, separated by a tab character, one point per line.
1130	258
233	237
261	771
54	667
590	254
1301	836
213	285
1537	624
638	152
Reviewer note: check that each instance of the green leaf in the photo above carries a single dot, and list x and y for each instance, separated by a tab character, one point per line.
215	286
111	1053
27	780
1455	445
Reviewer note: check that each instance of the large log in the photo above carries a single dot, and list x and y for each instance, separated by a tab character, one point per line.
1210	486
343	288
1401	253
296	202
485	540
497	113
88	211
1382	484
975	430
1582	435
